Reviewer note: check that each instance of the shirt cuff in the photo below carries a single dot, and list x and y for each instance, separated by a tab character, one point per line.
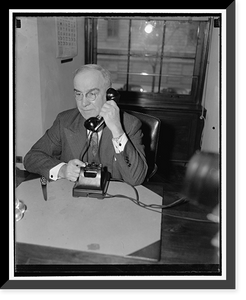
119	143
53	173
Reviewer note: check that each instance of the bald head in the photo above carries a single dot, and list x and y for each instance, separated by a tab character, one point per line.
94	67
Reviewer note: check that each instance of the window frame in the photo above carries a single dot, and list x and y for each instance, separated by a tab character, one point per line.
158	98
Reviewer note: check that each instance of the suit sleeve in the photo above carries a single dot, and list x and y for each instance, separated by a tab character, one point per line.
45	153
131	162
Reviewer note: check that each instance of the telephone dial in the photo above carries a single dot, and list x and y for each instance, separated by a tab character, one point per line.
94	123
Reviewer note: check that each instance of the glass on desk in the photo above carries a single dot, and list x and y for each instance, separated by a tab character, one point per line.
20	209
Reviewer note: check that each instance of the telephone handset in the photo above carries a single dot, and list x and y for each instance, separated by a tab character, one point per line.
94	123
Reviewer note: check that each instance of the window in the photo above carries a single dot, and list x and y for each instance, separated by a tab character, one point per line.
113	28
160	57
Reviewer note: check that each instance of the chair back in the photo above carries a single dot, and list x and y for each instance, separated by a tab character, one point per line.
151	131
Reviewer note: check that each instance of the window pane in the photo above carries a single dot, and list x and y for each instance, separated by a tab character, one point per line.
112	36
181	38
177	75
176	85
117	65
146	37
144	72
146	47
143	83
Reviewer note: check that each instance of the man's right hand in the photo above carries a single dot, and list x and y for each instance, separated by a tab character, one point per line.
71	170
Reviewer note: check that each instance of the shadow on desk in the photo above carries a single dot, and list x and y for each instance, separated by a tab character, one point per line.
23	175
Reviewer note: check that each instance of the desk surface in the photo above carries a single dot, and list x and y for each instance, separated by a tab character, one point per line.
185	245
113	226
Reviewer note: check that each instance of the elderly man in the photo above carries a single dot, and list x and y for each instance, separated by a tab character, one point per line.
62	150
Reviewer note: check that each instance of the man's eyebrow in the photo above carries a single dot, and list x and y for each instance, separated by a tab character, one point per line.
90	90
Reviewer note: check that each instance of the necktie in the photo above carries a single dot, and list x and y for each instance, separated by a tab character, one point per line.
94	143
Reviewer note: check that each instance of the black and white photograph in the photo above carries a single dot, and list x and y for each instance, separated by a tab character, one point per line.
118	147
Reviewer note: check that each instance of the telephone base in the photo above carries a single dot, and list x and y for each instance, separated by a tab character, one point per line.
83	192
93	182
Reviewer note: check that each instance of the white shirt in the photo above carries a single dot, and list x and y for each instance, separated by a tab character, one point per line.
118	143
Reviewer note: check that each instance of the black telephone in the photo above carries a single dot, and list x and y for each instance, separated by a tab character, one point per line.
94	179
92	182
94	123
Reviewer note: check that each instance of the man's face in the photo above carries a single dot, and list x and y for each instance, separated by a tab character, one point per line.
90	92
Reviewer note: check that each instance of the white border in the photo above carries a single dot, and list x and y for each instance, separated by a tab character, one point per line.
11	153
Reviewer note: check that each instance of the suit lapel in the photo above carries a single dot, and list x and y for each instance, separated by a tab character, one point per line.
76	136
106	150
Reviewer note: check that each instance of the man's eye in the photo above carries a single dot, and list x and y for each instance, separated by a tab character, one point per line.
92	95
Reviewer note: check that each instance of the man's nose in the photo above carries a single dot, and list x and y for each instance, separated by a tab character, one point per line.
85	101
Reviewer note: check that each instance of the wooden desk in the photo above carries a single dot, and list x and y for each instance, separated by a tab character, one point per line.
185	248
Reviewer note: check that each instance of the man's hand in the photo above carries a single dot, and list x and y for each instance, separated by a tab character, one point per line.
111	115
71	170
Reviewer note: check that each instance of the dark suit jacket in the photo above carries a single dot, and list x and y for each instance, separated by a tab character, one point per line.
67	139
